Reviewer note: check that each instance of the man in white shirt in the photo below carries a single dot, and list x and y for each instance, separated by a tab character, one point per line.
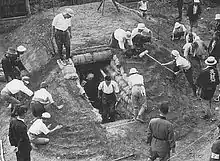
119	38
13	87
138	94
39	127
182	64
143	6
40	99
107	91
139	29
179	31
62	31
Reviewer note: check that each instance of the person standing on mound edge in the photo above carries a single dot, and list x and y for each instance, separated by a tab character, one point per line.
62	31
207	81
18	136
160	136
180	9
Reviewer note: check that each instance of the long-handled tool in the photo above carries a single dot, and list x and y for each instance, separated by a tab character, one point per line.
124	157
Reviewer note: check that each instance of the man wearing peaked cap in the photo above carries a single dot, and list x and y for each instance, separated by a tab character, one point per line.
12	65
39	127
207	81
62	31
138	94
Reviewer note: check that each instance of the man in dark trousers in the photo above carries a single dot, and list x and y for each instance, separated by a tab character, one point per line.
207	81
215	150
12	65
194	11
107	91
180	9
62	31
214	46
18	136
217	19
160	136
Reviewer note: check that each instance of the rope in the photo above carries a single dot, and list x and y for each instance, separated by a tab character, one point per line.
191	144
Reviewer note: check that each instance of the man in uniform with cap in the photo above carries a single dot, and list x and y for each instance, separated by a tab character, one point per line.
18	136
179	31
12	65
39	127
194	11
182	64
13	87
40	99
160	136
62	31
107	92
217	19
138	94
207	81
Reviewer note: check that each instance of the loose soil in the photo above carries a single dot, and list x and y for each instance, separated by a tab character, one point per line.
82	138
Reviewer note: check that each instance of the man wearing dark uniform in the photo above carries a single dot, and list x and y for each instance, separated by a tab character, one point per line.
160	136
18	136
207	81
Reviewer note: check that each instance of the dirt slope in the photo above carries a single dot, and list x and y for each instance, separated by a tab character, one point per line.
82	138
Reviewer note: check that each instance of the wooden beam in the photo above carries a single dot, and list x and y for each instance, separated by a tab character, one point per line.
28	7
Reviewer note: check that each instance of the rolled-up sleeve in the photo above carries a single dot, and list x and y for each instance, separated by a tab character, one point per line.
26	90
171	138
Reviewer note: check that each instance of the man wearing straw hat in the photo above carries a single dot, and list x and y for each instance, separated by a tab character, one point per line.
182	64
138	94
217	19
207	81
62	31
12	66
160	136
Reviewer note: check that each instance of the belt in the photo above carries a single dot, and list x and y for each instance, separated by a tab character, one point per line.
138	85
159	138
61	30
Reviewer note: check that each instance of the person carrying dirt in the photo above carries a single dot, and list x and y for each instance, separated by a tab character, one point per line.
120	38
194	11
40	99
179	31
180	9
207	81
14	87
215	150
38	128
138	93
160	136
182	64
18	136
143	7
107	93
214	46
217	19
61	30
12	65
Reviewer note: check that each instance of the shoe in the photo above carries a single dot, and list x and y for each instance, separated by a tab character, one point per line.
60	107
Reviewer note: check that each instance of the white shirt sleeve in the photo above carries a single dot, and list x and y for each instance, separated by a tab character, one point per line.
26	90
121	44
69	22
184	28
100	87
116	88
55	20
44	129
50	98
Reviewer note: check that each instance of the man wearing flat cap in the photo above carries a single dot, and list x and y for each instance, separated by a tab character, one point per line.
12	65
61	30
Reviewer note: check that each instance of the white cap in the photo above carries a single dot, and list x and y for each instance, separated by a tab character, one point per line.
25	79
21	48
68	11
217	17
196	1
46	115
175	53
141	26
210	60
177	24
133	71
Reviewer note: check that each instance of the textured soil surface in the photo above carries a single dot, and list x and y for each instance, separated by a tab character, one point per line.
82	138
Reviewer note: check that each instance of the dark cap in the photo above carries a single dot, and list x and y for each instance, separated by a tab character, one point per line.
19	110
164	107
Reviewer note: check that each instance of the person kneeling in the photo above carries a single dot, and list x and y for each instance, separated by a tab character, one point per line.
179	31
39	127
